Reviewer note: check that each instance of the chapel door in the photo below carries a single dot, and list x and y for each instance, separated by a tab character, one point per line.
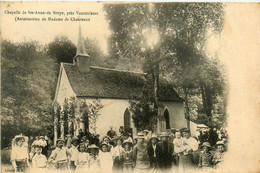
127	121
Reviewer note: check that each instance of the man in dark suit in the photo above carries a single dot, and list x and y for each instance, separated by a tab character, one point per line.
151	149
164	152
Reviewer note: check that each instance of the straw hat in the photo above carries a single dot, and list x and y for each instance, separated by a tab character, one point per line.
127	141
92	146
140	135
107	138
60	139
220	143
147	131
163	134
119	138
205	144
184	130
154	136
20	136
103	143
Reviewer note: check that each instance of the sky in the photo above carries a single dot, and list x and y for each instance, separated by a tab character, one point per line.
45	31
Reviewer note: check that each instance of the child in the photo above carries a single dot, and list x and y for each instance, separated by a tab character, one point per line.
39	161
128	157
19	153
117	154
94	161
82	158
218	156
205	159
59	156
106	140
178	146
73	153
106	160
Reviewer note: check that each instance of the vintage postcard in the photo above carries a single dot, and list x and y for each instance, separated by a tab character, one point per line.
130	87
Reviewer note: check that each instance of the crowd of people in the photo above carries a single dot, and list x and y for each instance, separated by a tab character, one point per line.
120	152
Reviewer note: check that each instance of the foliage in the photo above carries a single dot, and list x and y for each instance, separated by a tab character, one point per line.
183	29
76	110
29	77
142	108
62	49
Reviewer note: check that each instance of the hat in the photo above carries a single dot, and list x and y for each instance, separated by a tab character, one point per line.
38	146
74	139
107	137
184	130
220	143
92	146
140	135
205	144
154	136
14	140
60	139
127	141
163	134
146	131
103	143
173	130
42	137
119	138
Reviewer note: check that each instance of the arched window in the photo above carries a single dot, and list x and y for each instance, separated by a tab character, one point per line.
127	119
86	120
167	118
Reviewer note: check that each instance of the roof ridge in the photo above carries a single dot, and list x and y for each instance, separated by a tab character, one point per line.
117	70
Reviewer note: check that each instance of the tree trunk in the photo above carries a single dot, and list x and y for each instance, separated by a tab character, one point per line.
187	107
206	100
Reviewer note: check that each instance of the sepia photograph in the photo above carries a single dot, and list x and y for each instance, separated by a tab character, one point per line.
130	87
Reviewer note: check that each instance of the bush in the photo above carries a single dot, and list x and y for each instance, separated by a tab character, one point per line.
6	156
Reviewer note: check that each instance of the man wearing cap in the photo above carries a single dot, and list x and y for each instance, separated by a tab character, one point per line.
164	152
151	148
190	144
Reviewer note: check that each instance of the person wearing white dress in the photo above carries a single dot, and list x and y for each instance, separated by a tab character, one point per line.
106	160
20	153
73	153
82	159
39	161
117	153
94	160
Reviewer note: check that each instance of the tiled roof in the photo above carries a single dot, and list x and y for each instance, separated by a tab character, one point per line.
111	83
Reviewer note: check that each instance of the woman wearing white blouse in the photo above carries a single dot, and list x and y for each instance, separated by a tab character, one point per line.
20	153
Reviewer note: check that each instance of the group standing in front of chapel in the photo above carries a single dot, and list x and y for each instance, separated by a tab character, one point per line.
119	153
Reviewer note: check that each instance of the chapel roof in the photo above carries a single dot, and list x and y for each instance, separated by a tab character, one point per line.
111	83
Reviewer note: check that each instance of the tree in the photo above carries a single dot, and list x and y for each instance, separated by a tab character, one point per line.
62	49
27	91
183	30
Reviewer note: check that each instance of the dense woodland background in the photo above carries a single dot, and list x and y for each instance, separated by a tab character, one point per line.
29	71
